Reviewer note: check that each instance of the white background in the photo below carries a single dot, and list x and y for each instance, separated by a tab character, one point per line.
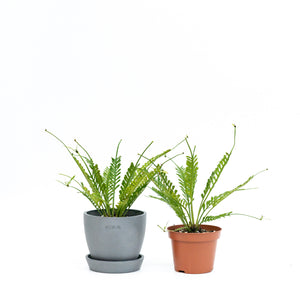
144	70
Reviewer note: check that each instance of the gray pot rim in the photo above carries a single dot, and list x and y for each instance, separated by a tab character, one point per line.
97	215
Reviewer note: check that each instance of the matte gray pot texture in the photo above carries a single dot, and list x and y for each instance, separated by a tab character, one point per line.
115	266
114	239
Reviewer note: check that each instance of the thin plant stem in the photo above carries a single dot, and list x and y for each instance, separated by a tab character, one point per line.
179	143
238	214
83	149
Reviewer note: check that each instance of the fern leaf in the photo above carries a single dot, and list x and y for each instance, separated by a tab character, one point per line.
176	207
213	218
167	193
85	174
152	160
214	201
135	189
180	171
94	198
136	178
123	206
191	173
130	174
223	196
215	175
113	178
98	178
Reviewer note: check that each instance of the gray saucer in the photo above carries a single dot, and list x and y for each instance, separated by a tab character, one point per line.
105	266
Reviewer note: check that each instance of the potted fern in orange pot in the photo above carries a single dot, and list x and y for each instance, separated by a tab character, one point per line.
114	232
193	241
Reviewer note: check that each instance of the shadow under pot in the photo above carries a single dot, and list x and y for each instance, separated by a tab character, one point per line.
115	242
194	253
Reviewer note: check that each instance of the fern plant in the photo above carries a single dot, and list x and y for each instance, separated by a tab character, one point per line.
183	204
102	187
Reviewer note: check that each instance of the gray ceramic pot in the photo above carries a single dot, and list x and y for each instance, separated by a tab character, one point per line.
115	239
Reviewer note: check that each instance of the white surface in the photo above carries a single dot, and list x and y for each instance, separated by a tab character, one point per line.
149	70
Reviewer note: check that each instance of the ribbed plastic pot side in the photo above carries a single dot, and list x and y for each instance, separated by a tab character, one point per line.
194	253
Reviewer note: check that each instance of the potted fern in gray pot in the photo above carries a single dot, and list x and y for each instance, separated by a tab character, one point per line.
114	232
193	241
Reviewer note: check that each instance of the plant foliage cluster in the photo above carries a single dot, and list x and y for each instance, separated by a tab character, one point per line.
102	187
183	204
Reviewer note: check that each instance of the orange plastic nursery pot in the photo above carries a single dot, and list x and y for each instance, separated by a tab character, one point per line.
194	253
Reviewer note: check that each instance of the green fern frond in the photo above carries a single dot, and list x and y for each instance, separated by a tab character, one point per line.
180	172
82	169
103	190
212	180
213	218
215	200
134	184
140	181
103	187
152	160
99	189
95	200
105	174
85	174
95	196
167	193
167	187
176	207
187	176
123	206
191	172
130	174
113	178
136	180
215	175
183	184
